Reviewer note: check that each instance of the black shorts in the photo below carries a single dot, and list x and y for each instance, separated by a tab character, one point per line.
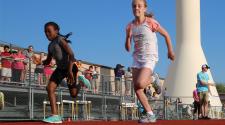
59	74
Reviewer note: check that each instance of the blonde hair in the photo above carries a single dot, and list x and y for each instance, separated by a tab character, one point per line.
146	5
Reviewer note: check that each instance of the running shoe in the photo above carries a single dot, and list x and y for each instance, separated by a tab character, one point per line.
53	119
147	119
156	84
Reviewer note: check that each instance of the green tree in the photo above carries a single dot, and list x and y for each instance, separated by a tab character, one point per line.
220	87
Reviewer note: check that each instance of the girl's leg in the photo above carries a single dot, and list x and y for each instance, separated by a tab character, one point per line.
142	78
51	95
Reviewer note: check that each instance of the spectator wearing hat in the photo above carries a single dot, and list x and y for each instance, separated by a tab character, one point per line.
128	81
119	72
203	89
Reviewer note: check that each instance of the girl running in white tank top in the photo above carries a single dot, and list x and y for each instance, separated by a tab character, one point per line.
143	31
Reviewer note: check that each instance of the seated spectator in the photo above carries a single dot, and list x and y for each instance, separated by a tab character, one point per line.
18	67
6	60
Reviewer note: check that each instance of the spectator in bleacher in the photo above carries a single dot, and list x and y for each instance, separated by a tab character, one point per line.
94	79
203	88
148	91
128	81
39	70
119	72
196	111
28	53
6	60
48	70
18	67
154	96
88	74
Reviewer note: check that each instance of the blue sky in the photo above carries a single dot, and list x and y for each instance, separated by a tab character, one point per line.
98	28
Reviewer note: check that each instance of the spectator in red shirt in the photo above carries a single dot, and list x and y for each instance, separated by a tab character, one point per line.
88	74
6	59
18	67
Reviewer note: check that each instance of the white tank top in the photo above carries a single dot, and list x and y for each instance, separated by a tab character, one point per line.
145	40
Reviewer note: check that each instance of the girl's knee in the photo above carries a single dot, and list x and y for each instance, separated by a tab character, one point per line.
73	92
50	88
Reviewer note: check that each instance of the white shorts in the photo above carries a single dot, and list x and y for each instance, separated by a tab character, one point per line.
148	64
6	72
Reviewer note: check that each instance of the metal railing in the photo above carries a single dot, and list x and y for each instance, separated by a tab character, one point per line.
26	103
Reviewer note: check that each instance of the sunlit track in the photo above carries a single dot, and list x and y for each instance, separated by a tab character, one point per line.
160	122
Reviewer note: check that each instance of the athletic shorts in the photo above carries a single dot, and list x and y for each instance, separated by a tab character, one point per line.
203	97
59	74
148	64
6	72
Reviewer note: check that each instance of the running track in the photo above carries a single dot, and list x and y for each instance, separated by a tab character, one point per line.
159	122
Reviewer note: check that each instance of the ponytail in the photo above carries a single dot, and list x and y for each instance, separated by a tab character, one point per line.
66	36
151	15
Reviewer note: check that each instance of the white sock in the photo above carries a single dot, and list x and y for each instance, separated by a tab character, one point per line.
54	115
150	113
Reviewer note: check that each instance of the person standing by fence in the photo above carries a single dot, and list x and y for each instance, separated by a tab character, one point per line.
196	111
28	53
18	67
203	88
39	70
128	81
119	72
6	60
88	74
95	75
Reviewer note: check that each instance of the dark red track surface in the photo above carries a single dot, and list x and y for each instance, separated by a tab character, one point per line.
159	122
